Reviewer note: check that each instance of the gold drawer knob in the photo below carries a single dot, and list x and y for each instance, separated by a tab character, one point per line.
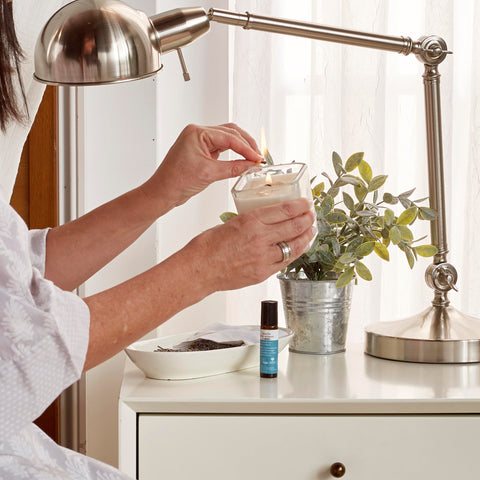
337	470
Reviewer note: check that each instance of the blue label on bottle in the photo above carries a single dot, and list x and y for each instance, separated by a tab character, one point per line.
269	356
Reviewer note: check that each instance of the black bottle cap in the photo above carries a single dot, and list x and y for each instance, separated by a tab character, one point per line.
270	313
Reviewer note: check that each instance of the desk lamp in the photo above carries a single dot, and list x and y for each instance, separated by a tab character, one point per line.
96	42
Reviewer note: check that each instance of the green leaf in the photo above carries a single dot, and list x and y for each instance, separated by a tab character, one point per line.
335	246
333	191
395	235
353	161
326	257
390	199
339	182
324	227
365	249
318	189
420	239
406	203
360	192
420	200
226	216
410	257
345	278
406	194
348	201
354	244
382	251
347	258
336	217
406	233
408	216
377	182
425	213
389	217
368	232
426	250
327	205
363	271
366	213
365	171
325	174
337	163
352	180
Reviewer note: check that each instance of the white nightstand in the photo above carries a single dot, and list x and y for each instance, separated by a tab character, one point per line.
382	420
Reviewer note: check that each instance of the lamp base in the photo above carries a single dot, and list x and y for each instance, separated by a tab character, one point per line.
439	334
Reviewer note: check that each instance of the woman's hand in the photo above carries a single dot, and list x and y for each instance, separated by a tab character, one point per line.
192	162
245	251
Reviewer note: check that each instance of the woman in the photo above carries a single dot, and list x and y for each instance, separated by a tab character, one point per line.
48	335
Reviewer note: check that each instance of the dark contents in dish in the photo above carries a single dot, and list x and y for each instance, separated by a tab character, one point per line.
199	345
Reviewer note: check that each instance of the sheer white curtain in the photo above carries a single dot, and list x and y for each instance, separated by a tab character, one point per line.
315	97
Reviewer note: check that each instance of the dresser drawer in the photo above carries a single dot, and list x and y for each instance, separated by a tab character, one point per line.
303	447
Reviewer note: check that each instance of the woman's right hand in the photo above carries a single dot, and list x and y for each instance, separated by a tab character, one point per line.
245	251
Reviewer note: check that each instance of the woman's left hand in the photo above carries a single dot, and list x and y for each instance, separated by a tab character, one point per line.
192	162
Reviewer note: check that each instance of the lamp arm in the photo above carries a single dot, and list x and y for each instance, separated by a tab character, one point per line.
252	21
431	51
399	44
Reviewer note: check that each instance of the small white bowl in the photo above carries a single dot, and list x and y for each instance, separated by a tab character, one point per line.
184	365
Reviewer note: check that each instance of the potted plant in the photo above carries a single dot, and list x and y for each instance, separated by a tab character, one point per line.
354	221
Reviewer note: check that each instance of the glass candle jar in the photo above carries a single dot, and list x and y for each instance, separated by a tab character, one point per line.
262	186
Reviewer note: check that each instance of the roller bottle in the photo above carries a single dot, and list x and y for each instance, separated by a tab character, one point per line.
269	339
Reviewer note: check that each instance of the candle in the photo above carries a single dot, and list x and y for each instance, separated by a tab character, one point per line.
262	186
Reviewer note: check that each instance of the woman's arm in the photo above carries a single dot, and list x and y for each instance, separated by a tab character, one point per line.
242	252
78	249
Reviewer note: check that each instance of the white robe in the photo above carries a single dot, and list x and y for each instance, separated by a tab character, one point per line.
43	343
43	329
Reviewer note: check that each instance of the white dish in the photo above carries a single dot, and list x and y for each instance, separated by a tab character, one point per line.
184	365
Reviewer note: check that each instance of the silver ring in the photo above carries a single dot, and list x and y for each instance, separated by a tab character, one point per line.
286	251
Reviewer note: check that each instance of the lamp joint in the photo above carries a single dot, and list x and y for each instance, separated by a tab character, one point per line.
441	277
431	50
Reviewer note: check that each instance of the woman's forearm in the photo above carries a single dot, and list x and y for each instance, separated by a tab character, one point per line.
126	312
78	249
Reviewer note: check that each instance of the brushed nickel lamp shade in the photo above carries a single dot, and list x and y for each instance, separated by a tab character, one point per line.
98	42
92	42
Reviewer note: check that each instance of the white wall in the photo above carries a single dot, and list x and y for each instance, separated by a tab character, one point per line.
119	153
205	101
124	139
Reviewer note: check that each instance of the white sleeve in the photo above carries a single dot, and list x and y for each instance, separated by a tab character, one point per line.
37	240
43	329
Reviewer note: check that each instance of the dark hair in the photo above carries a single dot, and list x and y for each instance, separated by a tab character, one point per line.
10	57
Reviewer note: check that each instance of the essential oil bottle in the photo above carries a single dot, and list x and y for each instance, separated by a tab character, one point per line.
269	339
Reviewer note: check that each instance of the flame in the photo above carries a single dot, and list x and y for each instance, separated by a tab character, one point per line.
263	140
268	179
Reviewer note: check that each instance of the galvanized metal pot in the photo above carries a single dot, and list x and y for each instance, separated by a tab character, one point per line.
317	312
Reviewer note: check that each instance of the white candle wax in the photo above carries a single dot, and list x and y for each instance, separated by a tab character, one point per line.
258	193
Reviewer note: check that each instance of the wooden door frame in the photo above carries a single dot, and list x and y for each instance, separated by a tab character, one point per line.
35	197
